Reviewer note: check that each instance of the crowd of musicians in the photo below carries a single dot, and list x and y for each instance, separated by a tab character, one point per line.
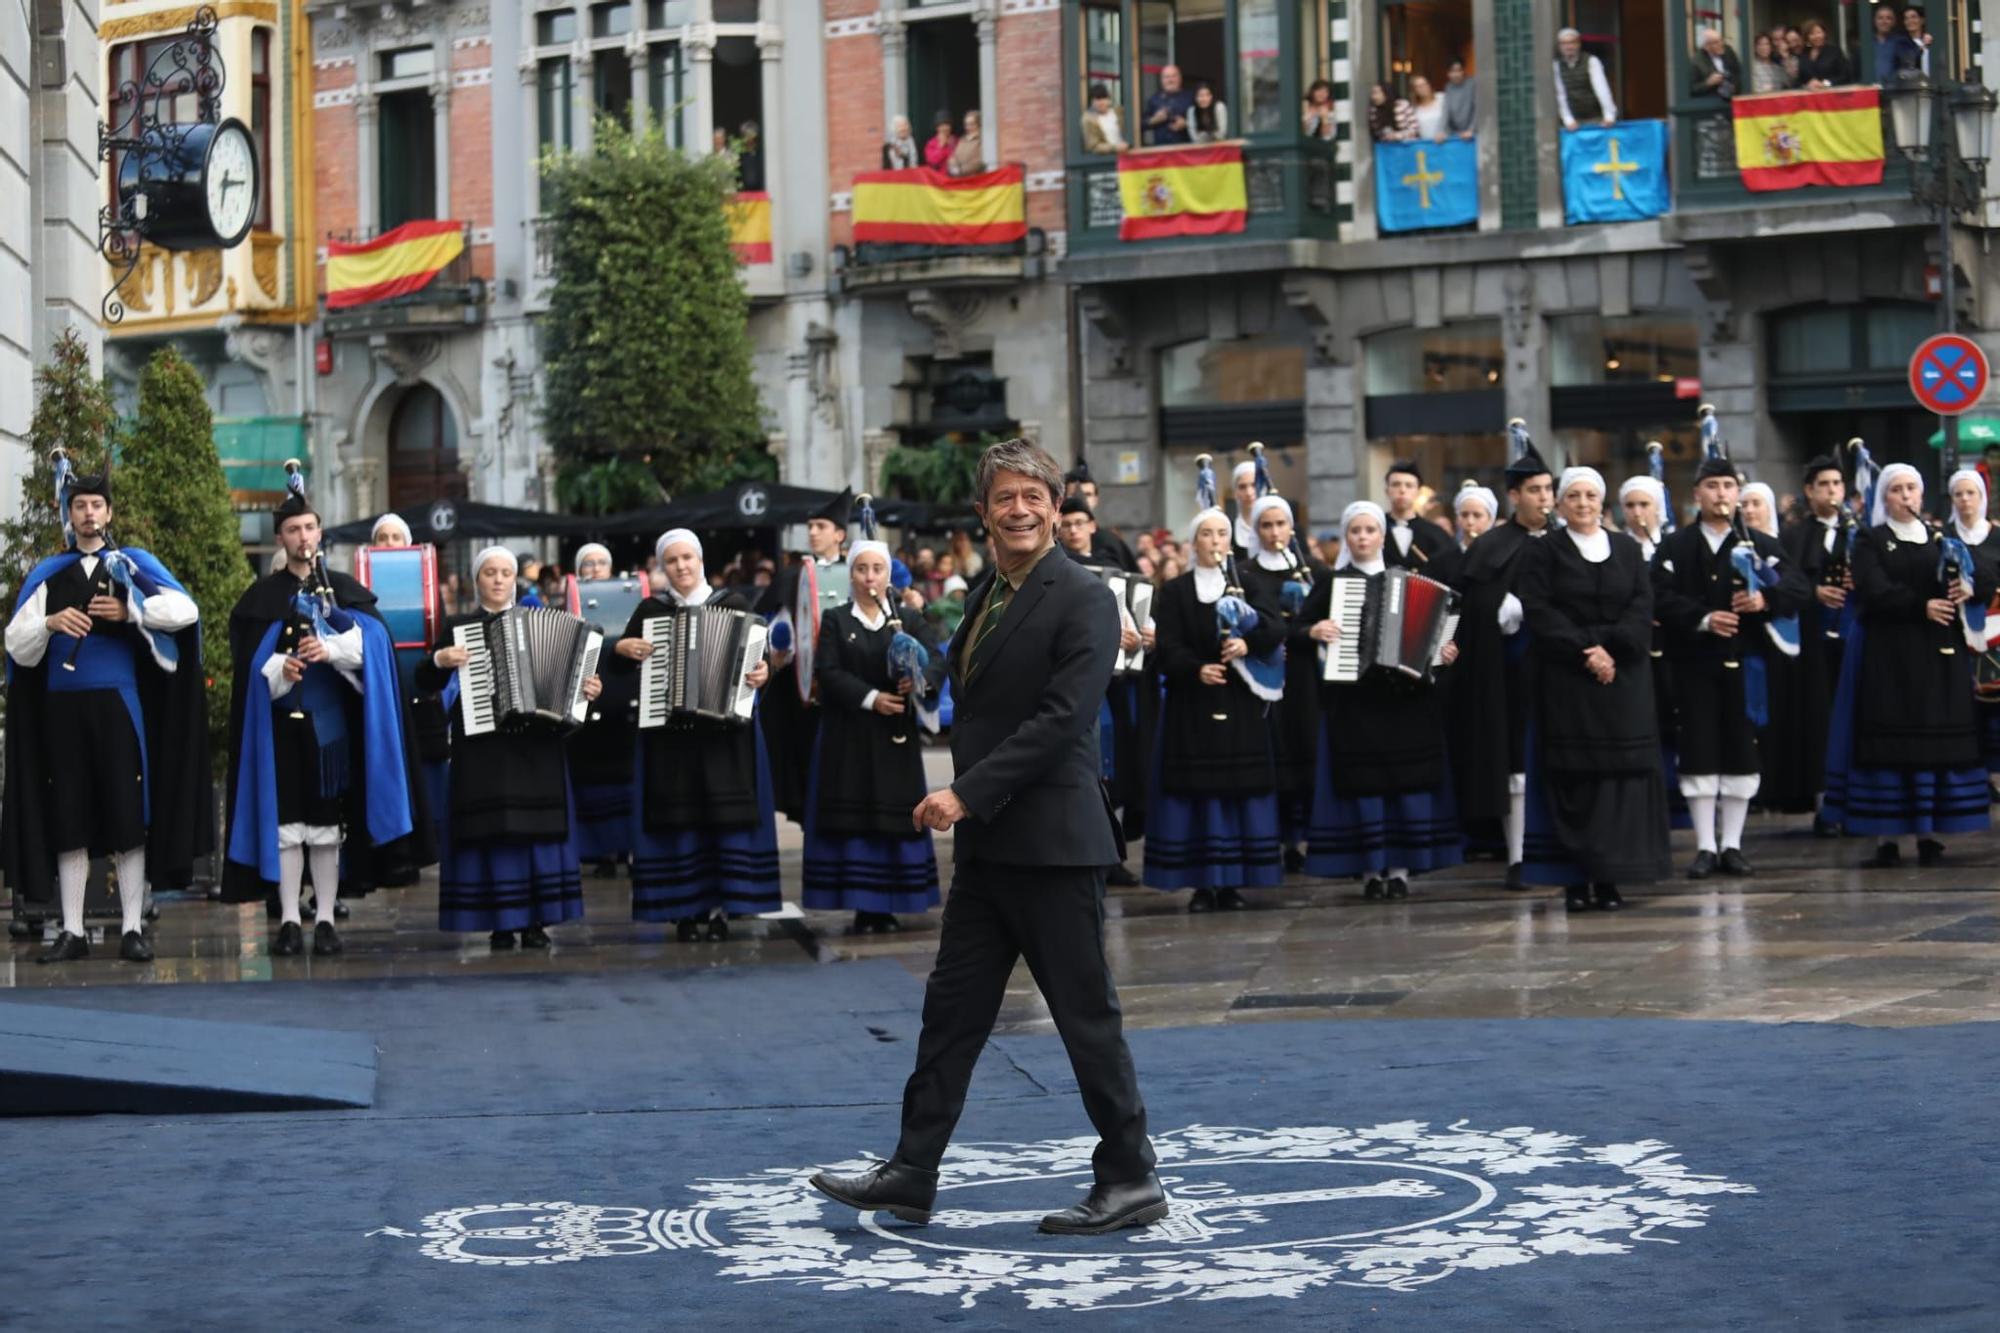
1598	672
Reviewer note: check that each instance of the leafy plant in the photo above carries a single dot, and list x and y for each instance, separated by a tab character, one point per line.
943	472
647	339
606	485
170	496
73	411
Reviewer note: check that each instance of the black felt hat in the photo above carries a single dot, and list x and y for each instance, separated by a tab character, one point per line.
838	511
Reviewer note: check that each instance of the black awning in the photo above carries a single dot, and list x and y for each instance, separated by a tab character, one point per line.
468	520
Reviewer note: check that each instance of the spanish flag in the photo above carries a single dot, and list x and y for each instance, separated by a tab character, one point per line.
396	263
1829	137
925	207
1195	191
750	226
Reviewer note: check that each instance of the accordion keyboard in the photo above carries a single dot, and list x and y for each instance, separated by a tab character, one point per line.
478	696
1349	611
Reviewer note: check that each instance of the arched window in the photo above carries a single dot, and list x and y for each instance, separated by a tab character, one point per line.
423	450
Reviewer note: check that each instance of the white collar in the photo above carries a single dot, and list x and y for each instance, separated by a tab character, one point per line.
879	619
1209	582
1910	529
702	592
1596	548
1832	522
1278	562
1245	538
1375	566
1711	536
1968	534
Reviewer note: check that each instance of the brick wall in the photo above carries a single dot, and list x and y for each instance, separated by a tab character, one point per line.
854	126
472	147
334	179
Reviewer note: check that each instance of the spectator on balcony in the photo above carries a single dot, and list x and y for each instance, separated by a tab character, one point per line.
1390	118
1582	91
969	157
750	157
942	143
1208	119
1167	110
1716	72
1767	75
1103	127
1786	48
1888	43
1917	55
1317	120
1822	65
902	151
1461	103
1428	108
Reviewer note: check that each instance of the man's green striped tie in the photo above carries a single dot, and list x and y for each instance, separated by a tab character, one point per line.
996	607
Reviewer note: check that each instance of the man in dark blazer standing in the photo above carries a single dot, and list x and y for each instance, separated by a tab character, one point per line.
1029	666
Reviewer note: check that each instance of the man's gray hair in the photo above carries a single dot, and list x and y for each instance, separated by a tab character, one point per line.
1702	35
1567	33
1018	455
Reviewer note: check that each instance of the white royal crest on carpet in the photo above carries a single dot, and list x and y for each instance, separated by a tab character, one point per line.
1255	1213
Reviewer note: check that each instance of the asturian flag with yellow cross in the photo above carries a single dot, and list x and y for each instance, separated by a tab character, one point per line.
1426	184
1615	174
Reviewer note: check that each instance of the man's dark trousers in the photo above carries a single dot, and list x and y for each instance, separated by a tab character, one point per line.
1054	917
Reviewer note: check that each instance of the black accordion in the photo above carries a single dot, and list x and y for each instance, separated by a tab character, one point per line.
1397	624
700	656
526	667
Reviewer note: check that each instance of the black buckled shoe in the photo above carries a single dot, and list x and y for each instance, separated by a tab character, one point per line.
1824	827
903	1191
1608	898
1576	898
1930	852
1374	890
1705	865
1202	901
1137	1203
1295	861
1735	863
65	948
1118	877
688	929
132	947
1229	900
1514	878
340	911
291	941
500	939
534	937
1397	887
718	927
326	940
1887	856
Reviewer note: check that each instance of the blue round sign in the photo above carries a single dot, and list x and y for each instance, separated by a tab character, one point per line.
1948	374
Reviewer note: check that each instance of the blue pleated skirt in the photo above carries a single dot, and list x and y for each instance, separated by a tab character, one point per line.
1884	802
604	821
1212	842
508	885
1361	835
866	872
684	872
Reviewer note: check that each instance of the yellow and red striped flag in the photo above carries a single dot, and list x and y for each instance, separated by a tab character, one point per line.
1194	191
1829	137
396	263
750	226
925	207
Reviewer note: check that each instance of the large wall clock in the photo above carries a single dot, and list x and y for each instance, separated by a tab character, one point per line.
198	188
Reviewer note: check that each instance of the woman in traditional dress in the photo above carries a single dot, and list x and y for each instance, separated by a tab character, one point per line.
1283	575
1212	825
600	752
1903	756
1382	804
861	853
508	860
705	838
1967	489
1477	509
1643	501
1597	805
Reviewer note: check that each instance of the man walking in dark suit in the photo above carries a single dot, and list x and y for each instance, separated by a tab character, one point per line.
1034	829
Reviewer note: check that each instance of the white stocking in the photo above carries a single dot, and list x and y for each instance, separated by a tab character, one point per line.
132	888
72	875
291	869
326	881
1517	826
1702	809
1735	810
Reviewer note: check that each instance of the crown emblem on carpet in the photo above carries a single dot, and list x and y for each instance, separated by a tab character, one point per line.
1255	1213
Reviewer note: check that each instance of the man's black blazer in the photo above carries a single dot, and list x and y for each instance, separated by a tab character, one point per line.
1024	727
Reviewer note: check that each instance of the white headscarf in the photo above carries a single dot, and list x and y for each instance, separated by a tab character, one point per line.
1651	486
1194	526
589	549
1770	504
1347	516
702	592
1572	475
1879	514
479	563
1246	532
863	547
1480	495
394	520
1972	536
1242	470
1280	559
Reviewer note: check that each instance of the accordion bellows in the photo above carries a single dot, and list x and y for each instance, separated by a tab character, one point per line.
700	656
526	666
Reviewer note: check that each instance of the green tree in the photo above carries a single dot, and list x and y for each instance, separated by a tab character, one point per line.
647	339
73	411
171	497
945	471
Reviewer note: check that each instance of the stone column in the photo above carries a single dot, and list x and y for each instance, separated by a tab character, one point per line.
987	17
1524	334
700	52
367	158
441	136
895	39
776	133
363	474
636	56
583	100
1335	444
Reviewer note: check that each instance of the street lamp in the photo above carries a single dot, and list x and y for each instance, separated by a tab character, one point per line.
1948	171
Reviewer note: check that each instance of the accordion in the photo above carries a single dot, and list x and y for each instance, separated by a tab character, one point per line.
1397	624
700	656
1135	608
526	666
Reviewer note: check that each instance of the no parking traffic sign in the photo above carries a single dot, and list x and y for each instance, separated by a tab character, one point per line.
1948	374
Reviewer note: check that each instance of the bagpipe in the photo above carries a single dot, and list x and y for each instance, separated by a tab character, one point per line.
117	575
315	609
1235	618
908	657
1749	571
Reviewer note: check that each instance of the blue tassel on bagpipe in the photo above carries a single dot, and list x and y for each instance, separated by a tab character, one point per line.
1204	483
1264	674
1656	466
1953	554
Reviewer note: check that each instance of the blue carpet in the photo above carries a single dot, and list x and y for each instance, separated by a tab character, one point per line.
1378	1174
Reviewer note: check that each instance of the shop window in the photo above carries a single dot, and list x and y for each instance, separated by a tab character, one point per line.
407	157
1217	394
1436	395
1825	358
1457	358
1620	382
1634	349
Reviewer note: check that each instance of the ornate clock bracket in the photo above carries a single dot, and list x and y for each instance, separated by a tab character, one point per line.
148	133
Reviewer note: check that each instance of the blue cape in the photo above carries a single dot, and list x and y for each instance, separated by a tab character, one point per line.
253	826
